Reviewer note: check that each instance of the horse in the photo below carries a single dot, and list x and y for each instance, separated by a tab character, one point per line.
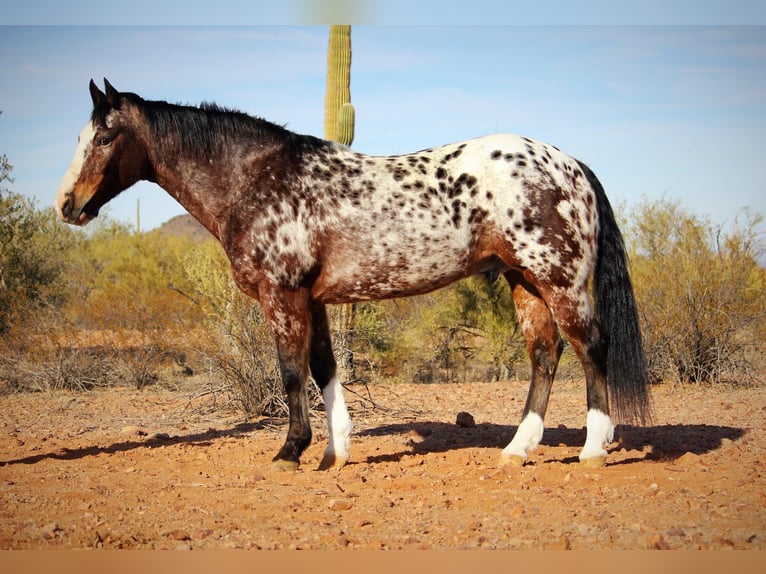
306	222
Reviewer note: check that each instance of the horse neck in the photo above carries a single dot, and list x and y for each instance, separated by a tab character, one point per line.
189	183
205	188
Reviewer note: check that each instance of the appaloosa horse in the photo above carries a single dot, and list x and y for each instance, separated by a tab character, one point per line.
306	222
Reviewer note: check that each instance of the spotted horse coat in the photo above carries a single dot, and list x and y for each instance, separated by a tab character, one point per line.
306	222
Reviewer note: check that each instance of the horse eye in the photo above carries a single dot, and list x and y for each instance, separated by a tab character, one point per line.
103	141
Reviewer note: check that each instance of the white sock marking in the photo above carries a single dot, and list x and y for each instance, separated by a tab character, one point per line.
338	421
600	434
527	437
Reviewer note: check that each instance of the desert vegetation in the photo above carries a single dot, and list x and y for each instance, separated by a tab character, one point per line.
110	306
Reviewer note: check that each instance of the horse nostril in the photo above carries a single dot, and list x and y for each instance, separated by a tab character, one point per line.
67	207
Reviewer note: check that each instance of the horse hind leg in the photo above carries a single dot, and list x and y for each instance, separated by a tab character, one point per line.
544	347
583	334
600	429
324	370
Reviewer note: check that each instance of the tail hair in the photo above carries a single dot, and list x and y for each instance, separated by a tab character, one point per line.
617	316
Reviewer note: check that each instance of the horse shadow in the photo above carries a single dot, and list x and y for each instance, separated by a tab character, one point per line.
659	443
667	442
200	439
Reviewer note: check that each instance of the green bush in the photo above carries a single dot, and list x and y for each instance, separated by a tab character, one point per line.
700	293
34	259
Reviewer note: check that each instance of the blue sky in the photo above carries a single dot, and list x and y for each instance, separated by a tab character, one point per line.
674	111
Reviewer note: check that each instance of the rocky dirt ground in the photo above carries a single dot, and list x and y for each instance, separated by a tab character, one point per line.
123	468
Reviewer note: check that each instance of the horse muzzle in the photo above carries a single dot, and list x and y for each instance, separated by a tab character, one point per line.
70	213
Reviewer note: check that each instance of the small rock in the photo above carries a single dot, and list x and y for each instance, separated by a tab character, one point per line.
179	534
339	504
465	420
687	459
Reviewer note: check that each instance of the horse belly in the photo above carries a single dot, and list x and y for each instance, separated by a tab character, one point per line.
393	274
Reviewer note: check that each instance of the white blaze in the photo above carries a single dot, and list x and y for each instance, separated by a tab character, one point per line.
84	144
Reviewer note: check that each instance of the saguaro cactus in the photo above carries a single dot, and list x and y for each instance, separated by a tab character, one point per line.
339	113
339	127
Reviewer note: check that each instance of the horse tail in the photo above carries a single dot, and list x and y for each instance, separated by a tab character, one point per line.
617	316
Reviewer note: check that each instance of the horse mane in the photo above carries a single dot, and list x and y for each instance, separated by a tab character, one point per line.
209	130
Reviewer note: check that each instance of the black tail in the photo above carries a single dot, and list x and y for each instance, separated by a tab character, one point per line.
616	312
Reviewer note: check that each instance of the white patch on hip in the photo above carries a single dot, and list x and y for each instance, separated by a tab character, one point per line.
600	434
338	421
84	144
527	437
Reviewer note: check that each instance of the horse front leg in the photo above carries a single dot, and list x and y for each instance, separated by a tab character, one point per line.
294	377
324	371
290	320
544	347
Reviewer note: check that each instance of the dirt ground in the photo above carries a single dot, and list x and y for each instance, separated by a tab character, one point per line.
123	468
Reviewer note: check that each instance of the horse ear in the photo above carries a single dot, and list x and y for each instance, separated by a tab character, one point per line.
112	95
96	95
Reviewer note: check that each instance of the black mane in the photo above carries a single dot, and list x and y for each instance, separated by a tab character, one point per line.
209	130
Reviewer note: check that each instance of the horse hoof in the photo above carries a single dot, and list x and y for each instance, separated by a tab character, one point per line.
332	461
593	462
287	465
512	460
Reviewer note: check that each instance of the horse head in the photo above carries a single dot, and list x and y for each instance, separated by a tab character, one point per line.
109	157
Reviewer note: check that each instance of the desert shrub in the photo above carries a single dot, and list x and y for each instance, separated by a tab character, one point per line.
467	331
124	280
39	355
131	294
60	368
700	293
34	257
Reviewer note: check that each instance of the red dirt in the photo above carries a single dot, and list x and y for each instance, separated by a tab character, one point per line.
123	468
